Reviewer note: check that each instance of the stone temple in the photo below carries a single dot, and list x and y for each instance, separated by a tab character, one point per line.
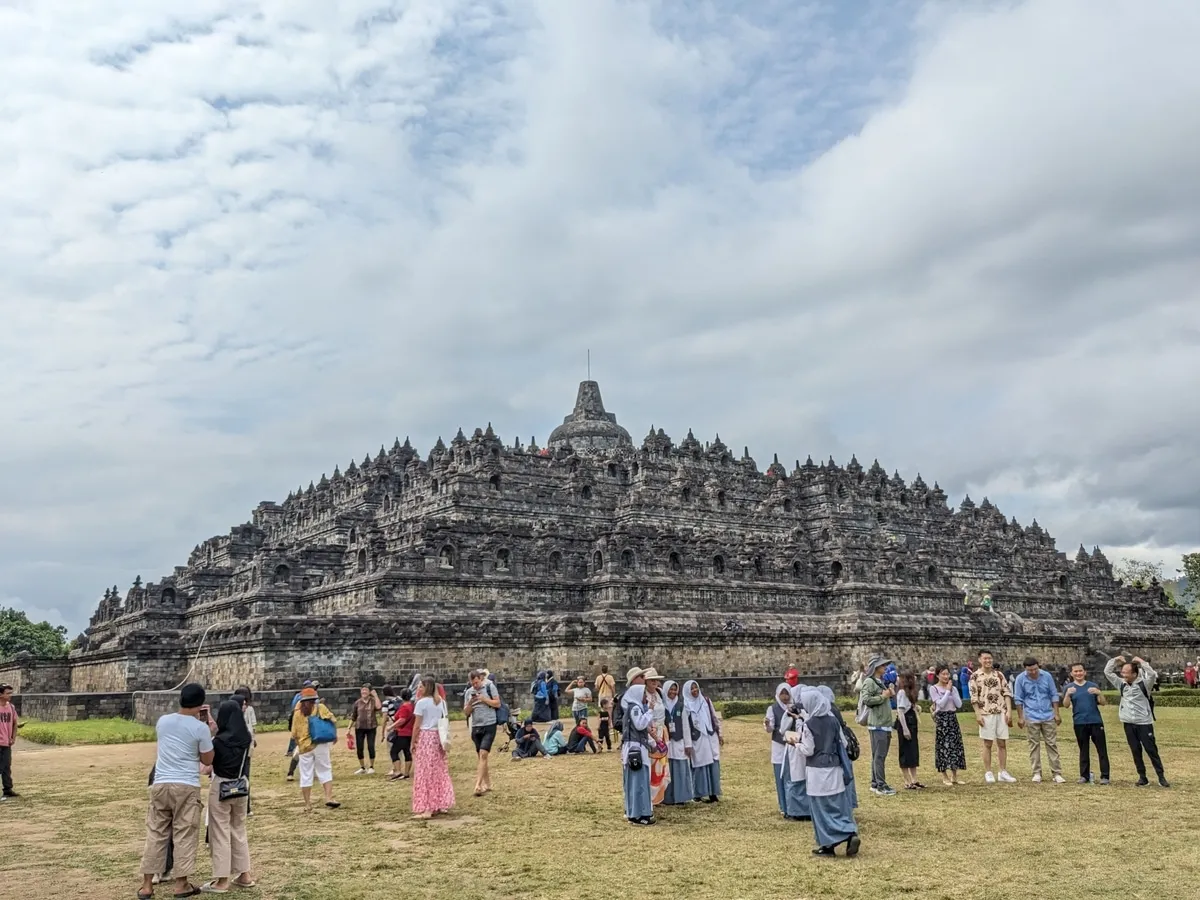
599	550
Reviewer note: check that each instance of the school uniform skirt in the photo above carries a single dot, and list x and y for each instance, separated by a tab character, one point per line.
832	819
636	787
679	788
796	796
848	776
780	791
707	780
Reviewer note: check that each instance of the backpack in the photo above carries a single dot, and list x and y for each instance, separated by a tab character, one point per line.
1146	694
618	713
541	692
852	748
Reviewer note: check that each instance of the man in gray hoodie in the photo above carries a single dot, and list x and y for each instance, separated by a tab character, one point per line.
1136	712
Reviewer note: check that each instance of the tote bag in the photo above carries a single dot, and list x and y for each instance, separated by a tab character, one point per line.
443	728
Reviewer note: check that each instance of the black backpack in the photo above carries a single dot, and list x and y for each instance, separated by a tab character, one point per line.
618	713
852	749
1146	694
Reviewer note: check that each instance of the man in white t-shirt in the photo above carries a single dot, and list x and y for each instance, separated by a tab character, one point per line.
184	745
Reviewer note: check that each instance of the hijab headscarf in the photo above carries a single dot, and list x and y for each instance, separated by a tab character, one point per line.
667	701
782	688
815	703
232	740
554	729
697	708
635	695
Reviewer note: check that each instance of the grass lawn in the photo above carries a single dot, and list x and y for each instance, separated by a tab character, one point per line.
554	829
87	731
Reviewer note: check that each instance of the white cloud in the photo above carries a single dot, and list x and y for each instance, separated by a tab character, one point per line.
244	243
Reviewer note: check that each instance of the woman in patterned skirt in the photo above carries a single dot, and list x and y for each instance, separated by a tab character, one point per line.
433	792
948	753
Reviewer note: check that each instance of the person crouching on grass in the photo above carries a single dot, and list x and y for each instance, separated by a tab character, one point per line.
314	748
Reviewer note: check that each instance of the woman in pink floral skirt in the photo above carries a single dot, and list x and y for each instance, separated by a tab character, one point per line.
433	791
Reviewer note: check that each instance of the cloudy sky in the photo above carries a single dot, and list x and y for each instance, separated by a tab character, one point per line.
243	242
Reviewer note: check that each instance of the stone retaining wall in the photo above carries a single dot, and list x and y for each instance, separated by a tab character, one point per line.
26	673
74	707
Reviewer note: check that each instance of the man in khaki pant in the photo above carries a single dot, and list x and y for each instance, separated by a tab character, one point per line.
184	744
1036	697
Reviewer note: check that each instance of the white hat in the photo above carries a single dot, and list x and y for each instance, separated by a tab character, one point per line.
633	673
651	674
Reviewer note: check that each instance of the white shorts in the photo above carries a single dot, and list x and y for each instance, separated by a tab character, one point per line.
994	728
317	762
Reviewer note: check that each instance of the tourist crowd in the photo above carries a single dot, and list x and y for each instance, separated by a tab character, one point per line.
670	739
891	705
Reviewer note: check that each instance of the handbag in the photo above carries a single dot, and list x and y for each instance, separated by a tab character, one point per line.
443	728
634	761
321	731
235	788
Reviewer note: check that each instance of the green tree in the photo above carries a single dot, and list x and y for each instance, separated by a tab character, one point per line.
18	634
1137	573
1191	572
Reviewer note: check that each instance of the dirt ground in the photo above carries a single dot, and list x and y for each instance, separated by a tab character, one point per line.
554	829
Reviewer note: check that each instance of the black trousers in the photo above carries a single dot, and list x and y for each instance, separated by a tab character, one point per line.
365	736
6	769
605	733
1141	737
1095	735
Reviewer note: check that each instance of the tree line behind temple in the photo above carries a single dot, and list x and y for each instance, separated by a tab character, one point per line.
46	641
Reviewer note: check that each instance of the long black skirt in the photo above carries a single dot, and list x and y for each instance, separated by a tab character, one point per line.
910	749
948	752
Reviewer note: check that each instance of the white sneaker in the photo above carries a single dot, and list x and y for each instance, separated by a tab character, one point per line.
1037	779
361	772
1006	778
370	771
1058	779
989	777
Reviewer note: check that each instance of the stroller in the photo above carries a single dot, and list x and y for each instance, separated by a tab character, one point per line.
511	727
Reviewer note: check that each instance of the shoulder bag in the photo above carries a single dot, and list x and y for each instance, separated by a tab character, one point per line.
235	788
321	731
443	728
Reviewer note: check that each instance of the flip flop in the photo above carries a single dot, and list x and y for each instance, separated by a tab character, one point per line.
149	896
244	885
333	804
189	893
210	887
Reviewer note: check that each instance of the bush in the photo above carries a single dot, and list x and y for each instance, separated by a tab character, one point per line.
87	731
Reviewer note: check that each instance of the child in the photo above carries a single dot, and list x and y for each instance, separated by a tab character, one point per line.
605	733
9	723
165	876
400	734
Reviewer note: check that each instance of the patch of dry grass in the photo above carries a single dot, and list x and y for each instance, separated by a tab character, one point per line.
554	829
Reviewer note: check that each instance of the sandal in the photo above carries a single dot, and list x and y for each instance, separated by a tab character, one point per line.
245	884
142	896
191	892
210	887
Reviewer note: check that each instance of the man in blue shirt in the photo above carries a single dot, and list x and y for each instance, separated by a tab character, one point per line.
1036	699
1084	699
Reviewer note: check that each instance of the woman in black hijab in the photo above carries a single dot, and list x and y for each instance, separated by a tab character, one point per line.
227	818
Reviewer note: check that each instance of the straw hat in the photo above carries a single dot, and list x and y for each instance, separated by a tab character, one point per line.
633	673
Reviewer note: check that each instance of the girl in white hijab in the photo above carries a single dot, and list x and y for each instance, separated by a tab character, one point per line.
635	756
820	741
679	746
774	724
794	766
706	744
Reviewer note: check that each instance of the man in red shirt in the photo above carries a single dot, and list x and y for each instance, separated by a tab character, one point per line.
9	723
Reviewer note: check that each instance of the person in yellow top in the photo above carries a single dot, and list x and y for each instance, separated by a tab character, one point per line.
313	742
